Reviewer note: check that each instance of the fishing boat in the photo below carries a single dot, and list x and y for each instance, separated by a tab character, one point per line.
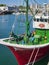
29	48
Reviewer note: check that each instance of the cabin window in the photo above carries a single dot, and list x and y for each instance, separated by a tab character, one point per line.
45	20
34	19
37	20
42	20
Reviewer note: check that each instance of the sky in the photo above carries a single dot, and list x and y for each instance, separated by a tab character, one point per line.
21	2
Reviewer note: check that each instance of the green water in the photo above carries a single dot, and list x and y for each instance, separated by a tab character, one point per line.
6	56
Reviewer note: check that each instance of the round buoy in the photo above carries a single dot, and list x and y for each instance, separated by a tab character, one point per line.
41	25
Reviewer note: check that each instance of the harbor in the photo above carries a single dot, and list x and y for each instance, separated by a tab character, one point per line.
24	33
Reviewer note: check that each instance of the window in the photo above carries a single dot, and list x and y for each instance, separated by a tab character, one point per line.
45	20
34	19
4	9
37	20
42	20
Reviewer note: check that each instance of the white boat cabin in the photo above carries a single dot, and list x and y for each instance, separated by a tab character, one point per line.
41	22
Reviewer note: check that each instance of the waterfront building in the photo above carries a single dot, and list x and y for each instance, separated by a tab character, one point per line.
13	8
3	8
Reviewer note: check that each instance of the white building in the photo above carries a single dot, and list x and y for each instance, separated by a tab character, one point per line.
9	8
3	8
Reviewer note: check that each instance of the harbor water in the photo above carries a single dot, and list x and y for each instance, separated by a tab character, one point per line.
15	23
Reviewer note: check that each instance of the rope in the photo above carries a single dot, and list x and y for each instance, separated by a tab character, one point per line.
35	56
12	28
31	56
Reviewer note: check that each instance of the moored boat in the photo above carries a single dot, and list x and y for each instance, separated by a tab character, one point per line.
30	47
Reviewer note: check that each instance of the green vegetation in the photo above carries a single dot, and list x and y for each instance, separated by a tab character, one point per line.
2	4
22	7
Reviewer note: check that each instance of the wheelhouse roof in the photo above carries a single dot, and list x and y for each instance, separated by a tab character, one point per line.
39	16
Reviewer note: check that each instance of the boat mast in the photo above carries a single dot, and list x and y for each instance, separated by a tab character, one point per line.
27	22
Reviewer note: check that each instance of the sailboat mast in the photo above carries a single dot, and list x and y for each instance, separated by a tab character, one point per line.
27	22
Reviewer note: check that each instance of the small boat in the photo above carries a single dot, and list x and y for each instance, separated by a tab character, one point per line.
17	13
31	47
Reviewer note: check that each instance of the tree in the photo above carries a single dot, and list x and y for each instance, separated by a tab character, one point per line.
2	4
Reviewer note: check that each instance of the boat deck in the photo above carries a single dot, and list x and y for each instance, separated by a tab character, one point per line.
40	37
44	35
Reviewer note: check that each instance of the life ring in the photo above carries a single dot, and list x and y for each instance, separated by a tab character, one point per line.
41	25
